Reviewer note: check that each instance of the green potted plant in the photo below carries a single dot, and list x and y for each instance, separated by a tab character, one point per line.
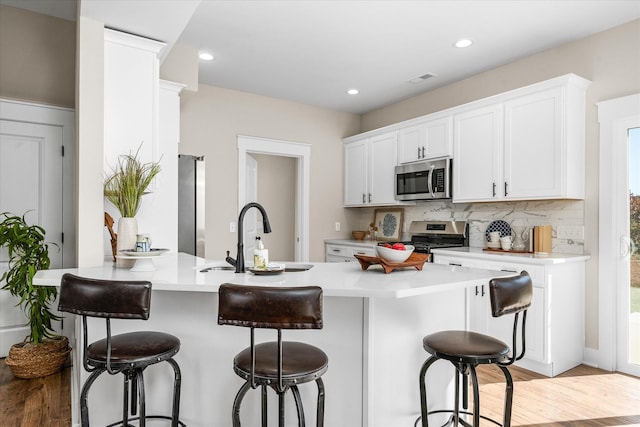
43	352
124	188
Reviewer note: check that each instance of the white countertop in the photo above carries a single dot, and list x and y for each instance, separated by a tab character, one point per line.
526	258
181	272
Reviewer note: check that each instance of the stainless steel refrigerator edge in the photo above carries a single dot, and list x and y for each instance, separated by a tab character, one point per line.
191	204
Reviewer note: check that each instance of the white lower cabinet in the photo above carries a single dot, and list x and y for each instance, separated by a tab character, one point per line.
555	320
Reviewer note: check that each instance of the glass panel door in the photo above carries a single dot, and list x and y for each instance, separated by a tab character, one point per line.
633	247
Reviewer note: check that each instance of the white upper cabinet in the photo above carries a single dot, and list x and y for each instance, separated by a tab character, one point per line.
355	172
525	144
369	170
528	144
428	140
477	162
131	90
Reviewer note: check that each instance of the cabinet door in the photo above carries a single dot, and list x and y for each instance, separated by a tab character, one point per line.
383	158
536	325
478	308
477	160
412	143
533	145
355	173
439	138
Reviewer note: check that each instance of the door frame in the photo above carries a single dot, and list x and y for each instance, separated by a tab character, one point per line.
64	118
300	151
615	116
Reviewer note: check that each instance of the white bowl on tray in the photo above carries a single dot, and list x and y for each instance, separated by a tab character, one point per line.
394	256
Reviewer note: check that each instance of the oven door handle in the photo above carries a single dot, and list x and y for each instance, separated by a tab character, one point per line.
429	178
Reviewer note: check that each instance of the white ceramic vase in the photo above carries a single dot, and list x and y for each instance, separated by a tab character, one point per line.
127	231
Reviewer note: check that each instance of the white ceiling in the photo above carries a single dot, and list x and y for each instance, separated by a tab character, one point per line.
313	51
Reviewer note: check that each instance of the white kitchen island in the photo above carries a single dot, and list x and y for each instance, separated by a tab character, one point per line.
373	329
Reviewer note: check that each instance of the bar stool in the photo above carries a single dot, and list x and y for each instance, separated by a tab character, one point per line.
128	353
466	350
281	365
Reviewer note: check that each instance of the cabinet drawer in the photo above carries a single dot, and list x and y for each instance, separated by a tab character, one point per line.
335	253
535	271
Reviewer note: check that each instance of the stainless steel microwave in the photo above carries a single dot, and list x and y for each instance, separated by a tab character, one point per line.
427	180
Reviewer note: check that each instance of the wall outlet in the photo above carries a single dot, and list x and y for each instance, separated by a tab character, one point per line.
338	226
232	227
575	232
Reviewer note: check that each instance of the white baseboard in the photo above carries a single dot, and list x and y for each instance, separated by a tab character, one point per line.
591	357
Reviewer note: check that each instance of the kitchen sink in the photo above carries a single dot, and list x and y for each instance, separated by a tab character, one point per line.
297	267
218	268
288	268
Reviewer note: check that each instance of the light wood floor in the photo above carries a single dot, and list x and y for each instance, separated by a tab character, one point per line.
581	397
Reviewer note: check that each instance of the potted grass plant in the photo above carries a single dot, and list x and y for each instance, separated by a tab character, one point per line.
42	352
124	188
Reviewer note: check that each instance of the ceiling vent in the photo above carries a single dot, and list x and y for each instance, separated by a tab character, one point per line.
422	78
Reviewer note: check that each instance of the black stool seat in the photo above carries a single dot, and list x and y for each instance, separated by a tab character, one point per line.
301	363
466	347
134	349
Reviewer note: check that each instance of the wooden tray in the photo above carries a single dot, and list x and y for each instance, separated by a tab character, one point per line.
512	251
415	260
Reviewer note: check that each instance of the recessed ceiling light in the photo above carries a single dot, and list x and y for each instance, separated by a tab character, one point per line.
205	56
353	91
464	43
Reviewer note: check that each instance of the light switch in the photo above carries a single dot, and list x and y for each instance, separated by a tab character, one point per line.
232	227
337	226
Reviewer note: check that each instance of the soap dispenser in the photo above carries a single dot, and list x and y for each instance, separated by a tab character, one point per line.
260	255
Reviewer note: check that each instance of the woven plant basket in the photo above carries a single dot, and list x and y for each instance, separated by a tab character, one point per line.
34	361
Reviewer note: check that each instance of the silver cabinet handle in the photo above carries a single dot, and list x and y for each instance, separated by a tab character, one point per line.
506	188
369	197
494	189
423	154
364	200
418	152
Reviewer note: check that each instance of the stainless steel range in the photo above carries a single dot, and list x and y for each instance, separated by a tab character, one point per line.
428	235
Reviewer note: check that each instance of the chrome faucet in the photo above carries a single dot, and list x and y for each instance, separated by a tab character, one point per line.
239	261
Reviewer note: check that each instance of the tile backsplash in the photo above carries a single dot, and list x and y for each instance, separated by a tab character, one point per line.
566	214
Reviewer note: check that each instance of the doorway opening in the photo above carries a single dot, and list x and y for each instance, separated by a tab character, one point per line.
302	154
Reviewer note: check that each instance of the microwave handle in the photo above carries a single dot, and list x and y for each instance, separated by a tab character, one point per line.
429	179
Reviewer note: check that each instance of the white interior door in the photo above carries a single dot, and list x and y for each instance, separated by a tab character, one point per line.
31	184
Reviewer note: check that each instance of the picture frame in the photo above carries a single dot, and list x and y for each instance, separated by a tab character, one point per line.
389	223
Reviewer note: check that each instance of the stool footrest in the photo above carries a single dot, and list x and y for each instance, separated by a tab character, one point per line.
155	417
450	420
